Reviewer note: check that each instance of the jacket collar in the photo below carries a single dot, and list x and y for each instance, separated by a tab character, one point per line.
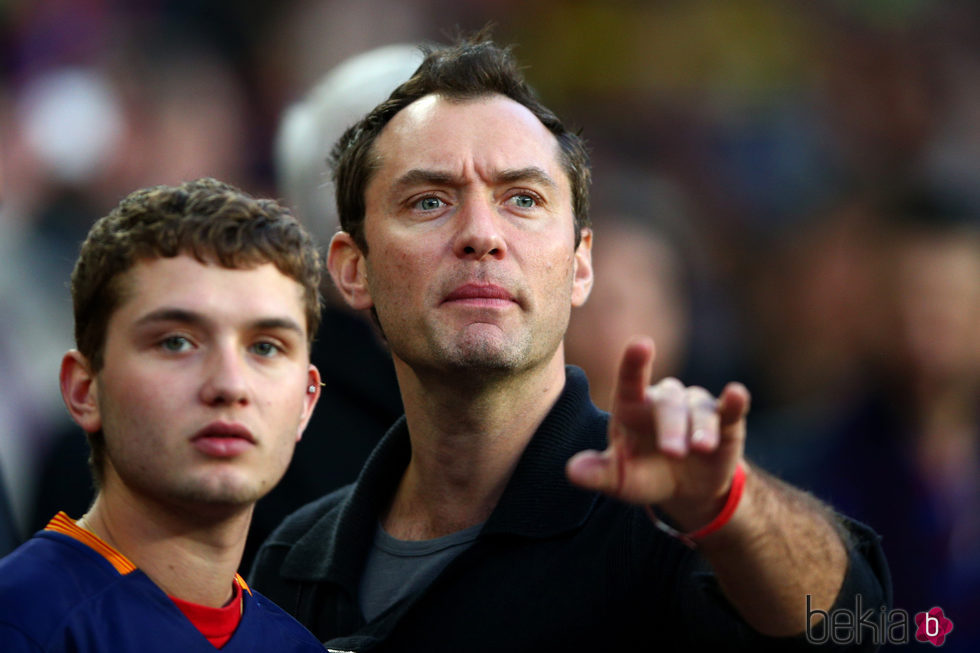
538	501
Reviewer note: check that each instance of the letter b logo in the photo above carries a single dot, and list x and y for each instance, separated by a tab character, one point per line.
932	626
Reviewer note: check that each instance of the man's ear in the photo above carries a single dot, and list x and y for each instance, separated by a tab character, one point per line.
347	266
80	391
582	282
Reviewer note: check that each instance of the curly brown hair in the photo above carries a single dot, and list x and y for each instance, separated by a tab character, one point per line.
208	219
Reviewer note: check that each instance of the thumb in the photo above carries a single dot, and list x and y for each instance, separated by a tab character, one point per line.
594	470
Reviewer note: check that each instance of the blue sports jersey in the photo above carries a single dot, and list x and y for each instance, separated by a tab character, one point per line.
67	590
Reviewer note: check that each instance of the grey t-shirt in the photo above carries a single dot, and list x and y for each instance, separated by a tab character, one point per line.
398	569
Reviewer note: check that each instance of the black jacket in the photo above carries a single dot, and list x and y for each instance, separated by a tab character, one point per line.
555	568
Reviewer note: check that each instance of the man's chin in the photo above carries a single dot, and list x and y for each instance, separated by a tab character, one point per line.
486	355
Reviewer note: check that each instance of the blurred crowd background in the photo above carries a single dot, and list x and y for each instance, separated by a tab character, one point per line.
787	193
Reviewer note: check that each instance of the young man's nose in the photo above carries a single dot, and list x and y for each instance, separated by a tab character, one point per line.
225	379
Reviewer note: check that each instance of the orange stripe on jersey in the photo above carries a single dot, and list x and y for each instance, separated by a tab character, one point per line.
242	583
62	523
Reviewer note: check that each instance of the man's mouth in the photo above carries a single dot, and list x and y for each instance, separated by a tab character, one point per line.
480	294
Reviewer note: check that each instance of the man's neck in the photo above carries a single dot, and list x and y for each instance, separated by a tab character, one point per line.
466	441
190	558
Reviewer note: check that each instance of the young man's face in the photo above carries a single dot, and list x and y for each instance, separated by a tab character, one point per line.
469	224
204	389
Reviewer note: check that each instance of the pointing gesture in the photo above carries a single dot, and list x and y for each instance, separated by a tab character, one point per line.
678	448
669	445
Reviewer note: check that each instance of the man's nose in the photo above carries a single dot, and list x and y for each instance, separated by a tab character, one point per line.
225	376
478	232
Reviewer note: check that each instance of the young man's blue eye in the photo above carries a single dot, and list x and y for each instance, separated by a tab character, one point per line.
265	349
176	343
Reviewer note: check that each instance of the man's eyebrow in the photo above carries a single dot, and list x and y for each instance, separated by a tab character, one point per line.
184	316
422	176
531	173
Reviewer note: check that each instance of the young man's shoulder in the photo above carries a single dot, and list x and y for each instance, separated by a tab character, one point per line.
47	582
58	594
52	571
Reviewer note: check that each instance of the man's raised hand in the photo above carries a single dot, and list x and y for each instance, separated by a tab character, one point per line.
670	445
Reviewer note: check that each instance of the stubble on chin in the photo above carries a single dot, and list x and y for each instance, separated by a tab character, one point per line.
485	349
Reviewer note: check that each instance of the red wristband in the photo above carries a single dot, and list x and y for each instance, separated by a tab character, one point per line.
731	503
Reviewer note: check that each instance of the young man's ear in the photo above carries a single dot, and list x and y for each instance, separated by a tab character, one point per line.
80	391
312	396
582	282
347	267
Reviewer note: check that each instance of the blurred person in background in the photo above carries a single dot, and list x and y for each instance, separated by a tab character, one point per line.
645	258
813	306
905	454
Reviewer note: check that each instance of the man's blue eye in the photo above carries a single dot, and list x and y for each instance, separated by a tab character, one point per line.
430	203
524	201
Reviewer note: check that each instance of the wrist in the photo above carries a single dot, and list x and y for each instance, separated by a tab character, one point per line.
722	511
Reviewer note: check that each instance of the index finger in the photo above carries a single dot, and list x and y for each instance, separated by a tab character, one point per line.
634	371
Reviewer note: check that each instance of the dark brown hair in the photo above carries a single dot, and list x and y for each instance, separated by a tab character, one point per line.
474	67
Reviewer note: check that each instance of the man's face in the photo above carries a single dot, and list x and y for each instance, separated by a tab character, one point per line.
204	389
469	226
